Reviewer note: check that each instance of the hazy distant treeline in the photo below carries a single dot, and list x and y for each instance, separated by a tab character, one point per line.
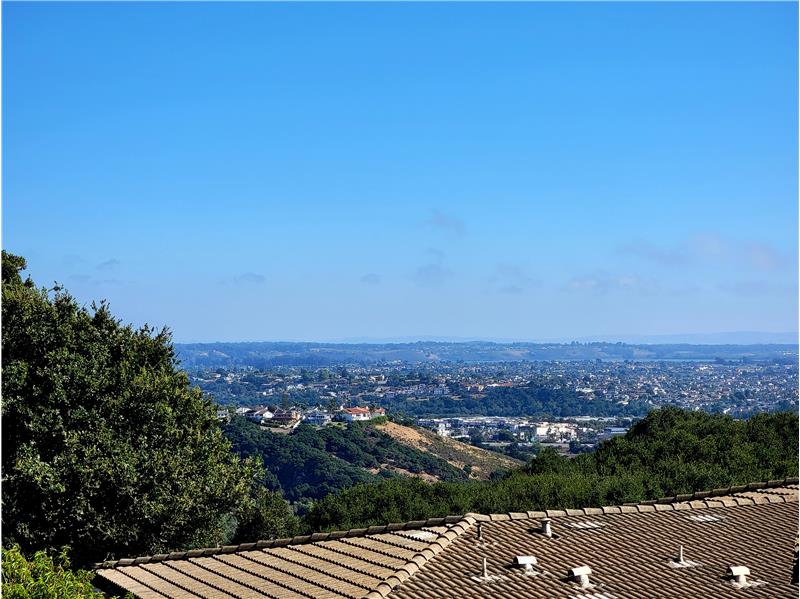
270	354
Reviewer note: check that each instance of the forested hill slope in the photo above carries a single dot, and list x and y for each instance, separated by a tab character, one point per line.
670	452
310	463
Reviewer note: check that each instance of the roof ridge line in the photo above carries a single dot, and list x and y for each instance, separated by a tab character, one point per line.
652	504
283	542
690	499
413	565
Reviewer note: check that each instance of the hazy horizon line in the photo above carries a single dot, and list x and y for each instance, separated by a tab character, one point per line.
719	338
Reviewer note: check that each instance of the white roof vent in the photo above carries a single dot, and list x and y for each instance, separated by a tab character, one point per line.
580	575
739	575
527	562
547	529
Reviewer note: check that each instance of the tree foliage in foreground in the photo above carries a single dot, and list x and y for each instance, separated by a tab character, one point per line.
44	577
266	515
105	447
669	452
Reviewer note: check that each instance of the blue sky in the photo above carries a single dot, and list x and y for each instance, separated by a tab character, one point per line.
263	171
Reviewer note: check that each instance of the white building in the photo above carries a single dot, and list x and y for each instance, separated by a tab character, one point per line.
361	414
356	414
317	417
561	431
259	414
612	431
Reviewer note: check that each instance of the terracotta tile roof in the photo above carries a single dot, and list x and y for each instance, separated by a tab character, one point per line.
326	565
630	549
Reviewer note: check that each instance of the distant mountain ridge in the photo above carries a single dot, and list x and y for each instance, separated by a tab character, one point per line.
719	338
270	354
726	338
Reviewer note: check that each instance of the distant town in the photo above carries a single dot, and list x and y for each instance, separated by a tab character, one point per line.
568	404
520	435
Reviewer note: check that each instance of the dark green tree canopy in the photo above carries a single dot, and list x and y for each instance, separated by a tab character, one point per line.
106	448
669	452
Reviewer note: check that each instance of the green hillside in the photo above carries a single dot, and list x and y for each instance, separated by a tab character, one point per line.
671	451
310	463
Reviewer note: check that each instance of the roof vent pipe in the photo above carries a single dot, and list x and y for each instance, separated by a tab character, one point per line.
546	527
581	575
480	532
739	574
485	569
679	561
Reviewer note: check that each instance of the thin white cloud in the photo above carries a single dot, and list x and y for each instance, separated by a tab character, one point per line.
435	254
764	257
756	288
371	279
432	275
510	279
108	264
712	248
73	261
602	282
652	253
250	278
84	279
446	222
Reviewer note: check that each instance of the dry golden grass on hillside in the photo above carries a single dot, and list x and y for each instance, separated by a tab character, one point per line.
458	454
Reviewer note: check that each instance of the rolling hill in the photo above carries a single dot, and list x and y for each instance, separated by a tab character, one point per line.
311	463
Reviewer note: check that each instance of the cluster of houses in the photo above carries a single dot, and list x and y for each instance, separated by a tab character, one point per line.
497	432
290	418
522	429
